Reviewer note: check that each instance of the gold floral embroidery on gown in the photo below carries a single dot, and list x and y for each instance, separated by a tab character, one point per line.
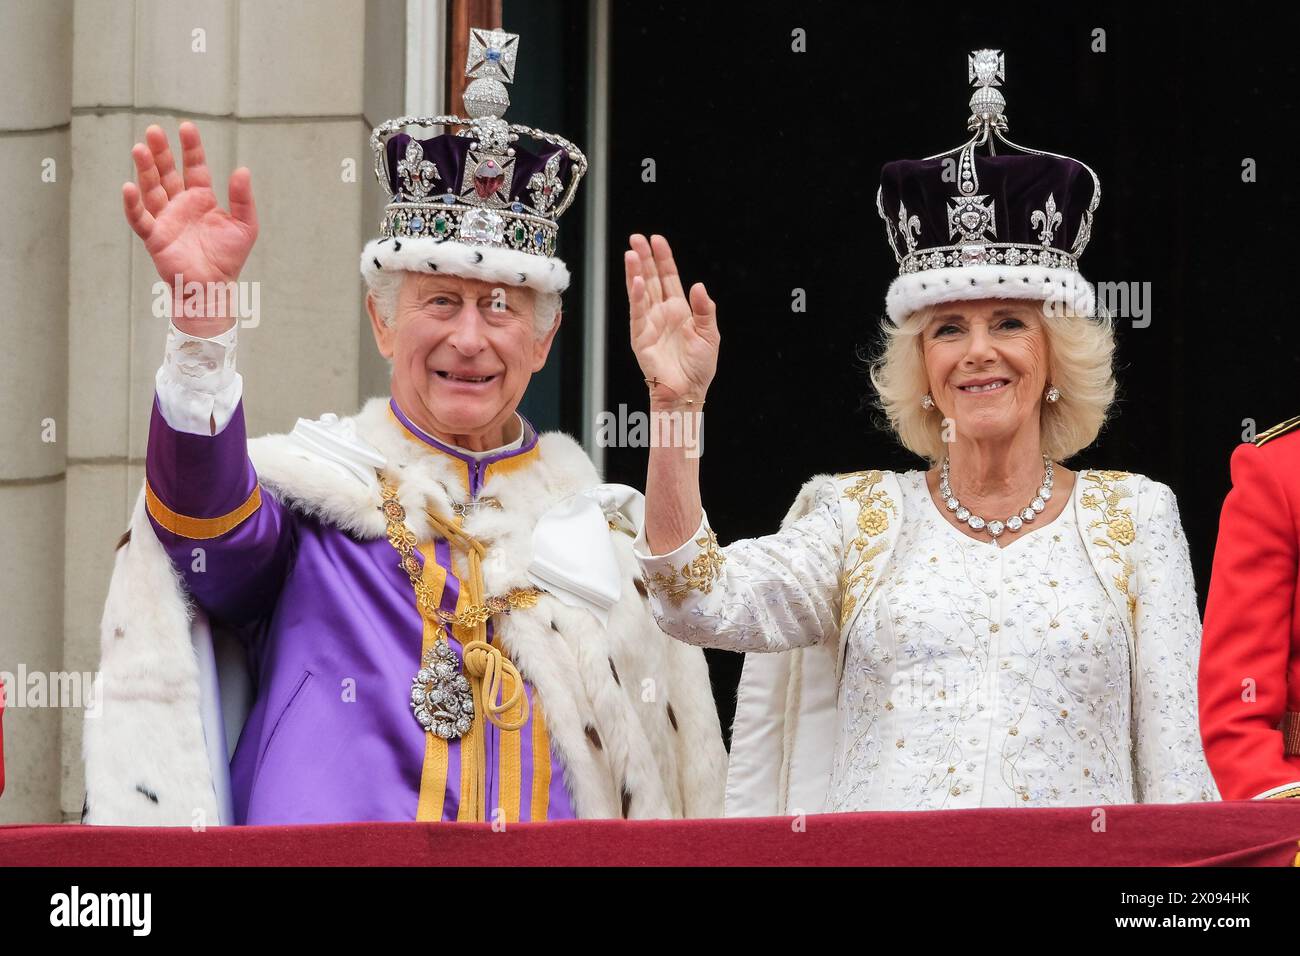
874	509
1116	522
697	574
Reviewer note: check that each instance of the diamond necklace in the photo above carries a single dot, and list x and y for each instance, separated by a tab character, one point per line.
995	527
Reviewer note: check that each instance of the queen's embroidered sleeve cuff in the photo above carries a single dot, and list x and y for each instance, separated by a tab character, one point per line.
198	387
690	570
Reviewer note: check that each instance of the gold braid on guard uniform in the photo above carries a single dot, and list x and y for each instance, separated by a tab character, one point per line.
1277	431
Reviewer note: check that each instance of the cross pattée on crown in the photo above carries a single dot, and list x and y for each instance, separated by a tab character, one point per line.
986	69
491	54
490	64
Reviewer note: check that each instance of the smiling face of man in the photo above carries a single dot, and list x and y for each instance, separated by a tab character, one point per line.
463	352
987	363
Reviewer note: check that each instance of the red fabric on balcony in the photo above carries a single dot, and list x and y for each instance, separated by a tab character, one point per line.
1260	833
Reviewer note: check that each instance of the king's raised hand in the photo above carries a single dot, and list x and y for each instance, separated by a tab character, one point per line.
675	336
185	231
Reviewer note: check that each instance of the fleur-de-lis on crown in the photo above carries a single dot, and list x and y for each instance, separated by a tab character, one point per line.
416	172
1048	218
906	225
545	186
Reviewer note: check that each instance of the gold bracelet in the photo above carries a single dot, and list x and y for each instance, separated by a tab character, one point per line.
653	382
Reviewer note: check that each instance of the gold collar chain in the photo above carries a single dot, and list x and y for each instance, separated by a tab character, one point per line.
443	700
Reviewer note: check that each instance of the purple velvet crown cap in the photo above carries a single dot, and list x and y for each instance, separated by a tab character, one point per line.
1018	185
450	153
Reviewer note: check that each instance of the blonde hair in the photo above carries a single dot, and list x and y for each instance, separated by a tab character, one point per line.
1081	350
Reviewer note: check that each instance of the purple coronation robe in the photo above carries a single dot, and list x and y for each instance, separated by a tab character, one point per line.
334	639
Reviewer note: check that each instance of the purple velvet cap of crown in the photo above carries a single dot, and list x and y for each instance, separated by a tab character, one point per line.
450	154
1018	185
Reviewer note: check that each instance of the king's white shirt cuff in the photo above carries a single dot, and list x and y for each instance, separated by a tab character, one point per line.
197	383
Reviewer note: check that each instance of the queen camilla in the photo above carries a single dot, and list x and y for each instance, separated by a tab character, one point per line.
995	630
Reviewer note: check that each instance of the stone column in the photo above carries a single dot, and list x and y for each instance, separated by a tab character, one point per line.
35	181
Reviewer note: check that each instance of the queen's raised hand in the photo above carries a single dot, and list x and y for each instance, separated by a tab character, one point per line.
675	336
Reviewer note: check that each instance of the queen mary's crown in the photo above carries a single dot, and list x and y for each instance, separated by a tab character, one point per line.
1008	222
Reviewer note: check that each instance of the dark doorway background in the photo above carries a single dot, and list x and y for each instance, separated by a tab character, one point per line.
553	97
767	163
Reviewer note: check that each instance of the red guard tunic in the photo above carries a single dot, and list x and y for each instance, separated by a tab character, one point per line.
1250	649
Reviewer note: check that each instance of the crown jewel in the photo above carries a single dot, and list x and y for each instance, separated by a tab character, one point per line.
986	68
477	186
1013	207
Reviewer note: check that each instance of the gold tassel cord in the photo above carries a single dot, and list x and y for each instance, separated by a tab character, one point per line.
489	669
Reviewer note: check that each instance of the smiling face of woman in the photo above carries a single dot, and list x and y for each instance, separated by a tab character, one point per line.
986	361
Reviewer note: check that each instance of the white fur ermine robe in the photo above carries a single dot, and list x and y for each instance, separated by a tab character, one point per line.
629	711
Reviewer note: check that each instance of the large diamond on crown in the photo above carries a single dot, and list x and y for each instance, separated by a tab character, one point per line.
971	217
986	67
484	226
